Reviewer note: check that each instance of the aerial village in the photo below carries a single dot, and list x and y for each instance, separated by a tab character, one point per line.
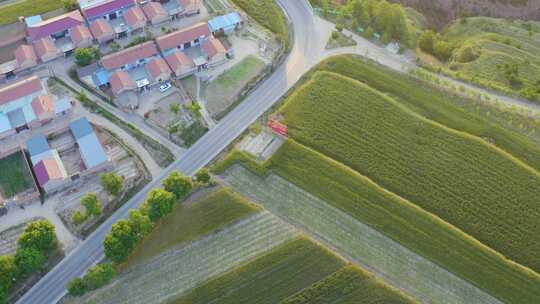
147	92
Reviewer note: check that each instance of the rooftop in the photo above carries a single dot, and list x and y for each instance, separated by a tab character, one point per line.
182	36
130	55
37	145
96	8
54	25
20	89
224	22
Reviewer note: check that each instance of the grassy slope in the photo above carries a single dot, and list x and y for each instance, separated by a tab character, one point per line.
433	104
270	278
349	285
462	179
400	220
18	179
500	41
187	223
11	13
268	14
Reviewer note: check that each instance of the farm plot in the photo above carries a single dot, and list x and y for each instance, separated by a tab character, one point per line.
397	264
398	219
188	222
349	285
278	274
19	177
462	179
435	104
168	275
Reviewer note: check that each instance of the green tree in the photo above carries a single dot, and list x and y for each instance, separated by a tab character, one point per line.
92	205
70	5
84	56
175	108
40	235
120	242
77	287
113	183
8	272
160	203
369	33
99	276
203	176
28	260
140	224
426	42
178	184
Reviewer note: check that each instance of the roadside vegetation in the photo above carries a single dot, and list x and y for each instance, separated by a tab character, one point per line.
268	14
347	286
36	246
460	178
10	13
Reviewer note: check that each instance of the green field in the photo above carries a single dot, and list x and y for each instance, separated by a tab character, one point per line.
462	179
433	103
497	42
270	278
187	223
268	14
18	179
349	285
11	13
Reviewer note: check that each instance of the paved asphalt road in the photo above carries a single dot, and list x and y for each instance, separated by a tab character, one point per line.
52	287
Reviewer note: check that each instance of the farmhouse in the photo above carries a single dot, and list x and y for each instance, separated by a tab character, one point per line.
102	31
184	38
180	64
135	19
48	168
26	105
110	11
155	13
59	29
122	69
214	50
46	50
226	24
81	36
26	57
190	7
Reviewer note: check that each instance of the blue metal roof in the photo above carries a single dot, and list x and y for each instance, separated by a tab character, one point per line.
61	105
33	20
5	125
225	22
81	128
37	145
91	151
16	118
101	77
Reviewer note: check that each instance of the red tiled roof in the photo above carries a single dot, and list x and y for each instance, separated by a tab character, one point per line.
20	89
25	52
212	47
178	59
54	25
135	18
80	33
101	28
120	81
105	7
158	67
189	5
45	46
180	37
154	10
130	55
43	104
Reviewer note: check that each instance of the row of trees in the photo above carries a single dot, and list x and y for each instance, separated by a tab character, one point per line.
35	245
126	234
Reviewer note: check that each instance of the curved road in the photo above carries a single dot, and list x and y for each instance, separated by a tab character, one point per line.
52	287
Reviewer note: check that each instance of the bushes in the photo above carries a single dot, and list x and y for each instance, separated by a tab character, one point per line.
85	56
92	208
432	43
95	278
36	244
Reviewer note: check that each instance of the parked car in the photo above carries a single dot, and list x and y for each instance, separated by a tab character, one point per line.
165	87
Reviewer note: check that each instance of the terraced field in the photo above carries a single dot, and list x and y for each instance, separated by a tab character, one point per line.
270	278
462	179
349	285
398	265
175	271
